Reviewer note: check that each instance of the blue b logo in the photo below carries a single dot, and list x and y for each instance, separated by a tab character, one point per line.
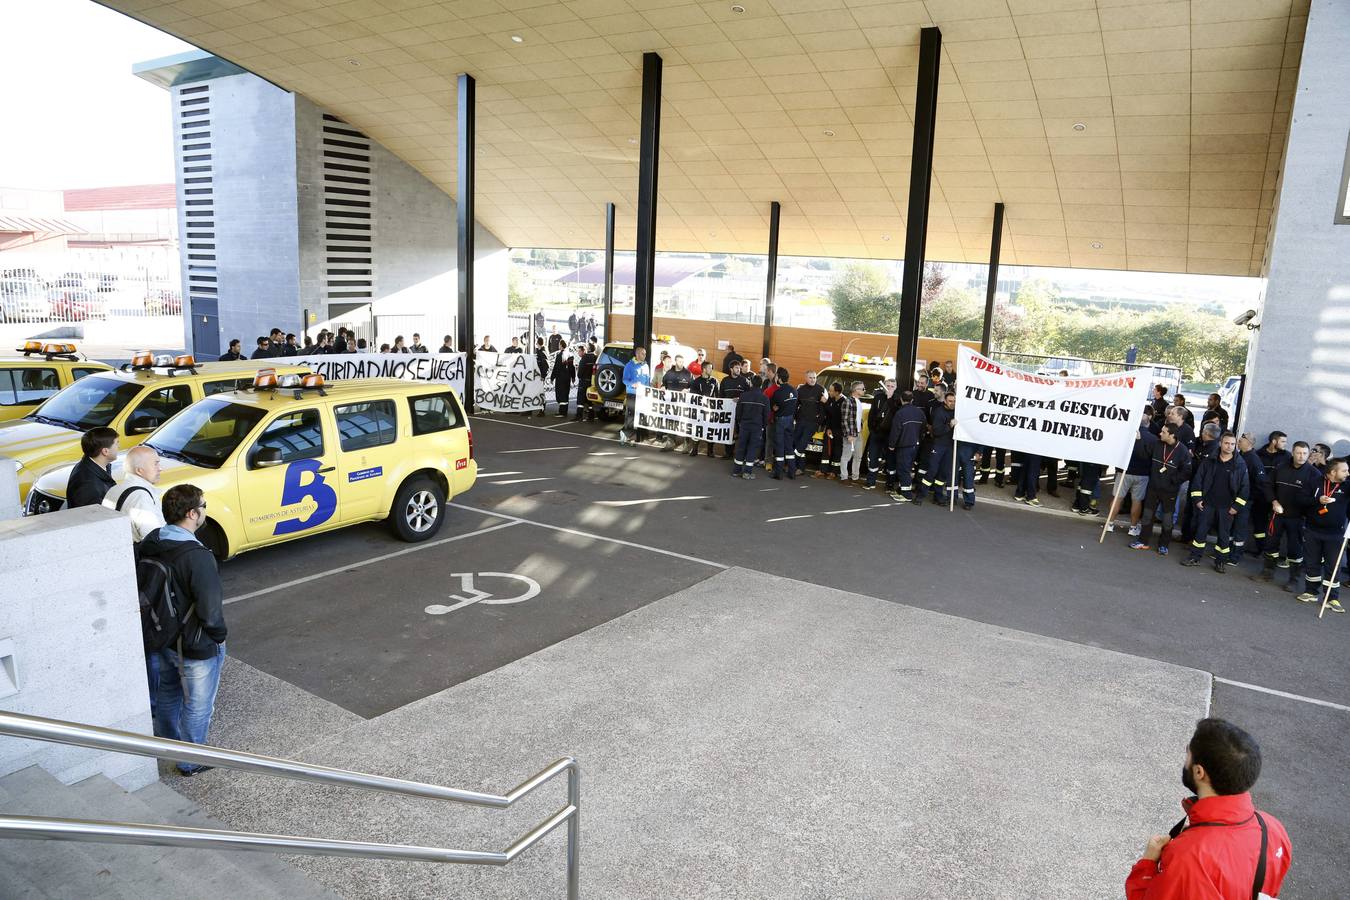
297	490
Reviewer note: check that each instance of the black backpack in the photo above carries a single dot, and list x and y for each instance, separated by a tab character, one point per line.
164	607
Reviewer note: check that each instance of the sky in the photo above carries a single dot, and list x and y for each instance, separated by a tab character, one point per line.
74	114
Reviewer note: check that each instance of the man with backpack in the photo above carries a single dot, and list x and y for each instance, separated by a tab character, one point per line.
182	621
137	495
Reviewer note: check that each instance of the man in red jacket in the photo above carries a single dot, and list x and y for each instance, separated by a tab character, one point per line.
1224	849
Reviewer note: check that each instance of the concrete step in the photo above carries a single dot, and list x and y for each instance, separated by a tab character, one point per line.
136	871
55	868
170	807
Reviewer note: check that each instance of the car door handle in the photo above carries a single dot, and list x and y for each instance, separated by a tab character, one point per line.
329	469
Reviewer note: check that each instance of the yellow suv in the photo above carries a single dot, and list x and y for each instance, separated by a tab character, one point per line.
872	371
133	400
291	457
43	370
607	390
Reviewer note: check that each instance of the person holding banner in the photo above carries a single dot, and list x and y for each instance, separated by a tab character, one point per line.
1171	466
1324	535
940	457
704	385
752	414
1220	487
676	378
635	372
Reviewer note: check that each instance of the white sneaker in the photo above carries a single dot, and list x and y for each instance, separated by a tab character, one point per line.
1135	530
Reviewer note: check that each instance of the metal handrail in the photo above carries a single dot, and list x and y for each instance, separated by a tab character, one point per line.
78	735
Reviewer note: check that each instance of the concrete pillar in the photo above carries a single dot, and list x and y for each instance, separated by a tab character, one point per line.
70	640
1298	365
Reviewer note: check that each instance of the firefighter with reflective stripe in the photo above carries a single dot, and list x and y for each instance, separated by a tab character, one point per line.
1293	487
1272	456
879	418
1219	489
1324	530
940	458
783	403
810	415
752	413
833	445
1260	487
907	428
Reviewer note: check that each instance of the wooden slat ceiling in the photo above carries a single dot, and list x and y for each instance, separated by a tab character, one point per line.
1184	106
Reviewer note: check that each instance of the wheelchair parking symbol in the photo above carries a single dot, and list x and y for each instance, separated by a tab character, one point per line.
469	594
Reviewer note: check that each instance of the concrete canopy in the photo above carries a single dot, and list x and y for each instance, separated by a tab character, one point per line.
1183	107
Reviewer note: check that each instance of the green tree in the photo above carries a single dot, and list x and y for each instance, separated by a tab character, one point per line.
519	291
859	300
954	313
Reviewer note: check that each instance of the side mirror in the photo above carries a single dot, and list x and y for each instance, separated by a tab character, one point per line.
143	423
266	458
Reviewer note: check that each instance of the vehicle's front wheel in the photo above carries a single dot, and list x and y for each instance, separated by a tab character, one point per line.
213	539
419	509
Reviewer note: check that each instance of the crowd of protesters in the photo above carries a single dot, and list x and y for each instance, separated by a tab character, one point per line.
344	340
1285	505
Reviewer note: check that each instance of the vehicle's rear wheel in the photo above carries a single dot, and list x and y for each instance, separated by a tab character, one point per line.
419	509
213	539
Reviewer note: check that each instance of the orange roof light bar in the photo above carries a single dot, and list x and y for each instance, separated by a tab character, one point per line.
144	359
265	379
184	362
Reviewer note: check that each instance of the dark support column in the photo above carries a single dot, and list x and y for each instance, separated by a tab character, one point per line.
609	266
995	245
464	206
775	212
649	151
916	221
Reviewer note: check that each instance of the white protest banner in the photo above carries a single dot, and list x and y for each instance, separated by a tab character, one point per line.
507	382
685	414
1092	419
434	368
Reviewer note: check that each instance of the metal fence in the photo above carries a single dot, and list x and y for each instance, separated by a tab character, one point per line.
79	287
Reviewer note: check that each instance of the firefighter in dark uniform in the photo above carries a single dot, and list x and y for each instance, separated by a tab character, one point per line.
784	406
1219	489
926	400
1259	481
1293	487
1272	456
907	429
704	385
940	458
585	372
1324	525
832	448
879	417
734	383
752	414
810	414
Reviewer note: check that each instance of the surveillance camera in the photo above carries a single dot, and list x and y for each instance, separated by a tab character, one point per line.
1246	317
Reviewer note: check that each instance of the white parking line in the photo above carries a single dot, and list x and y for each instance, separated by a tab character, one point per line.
650	500
482	474
1285	694
789	518
593	537
521	480
840	512
374	559
603	453
538	449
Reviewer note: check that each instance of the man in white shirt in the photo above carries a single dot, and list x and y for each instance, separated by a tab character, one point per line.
136	494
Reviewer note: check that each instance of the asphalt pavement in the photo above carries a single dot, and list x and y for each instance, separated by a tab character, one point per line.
605	529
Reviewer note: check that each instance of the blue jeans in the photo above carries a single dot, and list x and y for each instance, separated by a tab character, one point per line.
184	705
